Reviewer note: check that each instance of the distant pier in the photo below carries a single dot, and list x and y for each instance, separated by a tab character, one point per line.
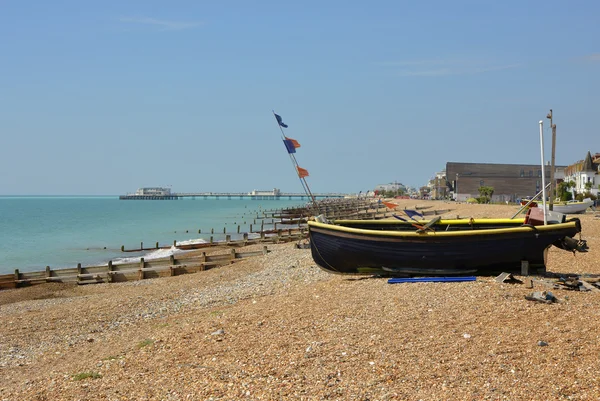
229	195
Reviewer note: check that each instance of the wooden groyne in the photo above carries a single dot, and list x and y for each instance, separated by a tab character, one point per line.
339	209
142	269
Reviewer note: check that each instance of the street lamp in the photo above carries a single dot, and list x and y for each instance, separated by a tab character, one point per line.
456	188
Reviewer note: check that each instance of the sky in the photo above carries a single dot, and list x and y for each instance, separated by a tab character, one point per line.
104	97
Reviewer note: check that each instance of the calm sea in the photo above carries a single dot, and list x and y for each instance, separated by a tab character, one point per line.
36	231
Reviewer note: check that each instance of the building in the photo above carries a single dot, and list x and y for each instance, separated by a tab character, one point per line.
585	174
511	182
274	192
438	186
392	186
153	191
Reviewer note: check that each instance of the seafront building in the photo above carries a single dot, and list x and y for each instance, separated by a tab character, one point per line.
511	182
585	174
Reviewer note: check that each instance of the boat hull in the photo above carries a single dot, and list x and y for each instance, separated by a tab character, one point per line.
347	250
571	207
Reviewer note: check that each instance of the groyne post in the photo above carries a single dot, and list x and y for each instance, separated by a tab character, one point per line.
141	271
110	269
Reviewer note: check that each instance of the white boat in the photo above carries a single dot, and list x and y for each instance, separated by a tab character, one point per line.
571	207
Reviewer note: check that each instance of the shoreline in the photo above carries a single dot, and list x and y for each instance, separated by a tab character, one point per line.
278	327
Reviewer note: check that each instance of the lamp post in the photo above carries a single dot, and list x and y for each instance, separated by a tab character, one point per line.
456	187
552	182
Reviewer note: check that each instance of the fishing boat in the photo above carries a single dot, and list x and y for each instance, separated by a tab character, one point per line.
571	207
441	247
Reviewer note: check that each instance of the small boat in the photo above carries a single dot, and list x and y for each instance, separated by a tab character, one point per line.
528	202
571	207
441	247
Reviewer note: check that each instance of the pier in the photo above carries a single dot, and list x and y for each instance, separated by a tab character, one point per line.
254	195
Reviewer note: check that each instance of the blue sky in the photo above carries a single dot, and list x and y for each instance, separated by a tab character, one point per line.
103	97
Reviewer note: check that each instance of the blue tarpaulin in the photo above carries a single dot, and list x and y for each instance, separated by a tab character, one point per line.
430	279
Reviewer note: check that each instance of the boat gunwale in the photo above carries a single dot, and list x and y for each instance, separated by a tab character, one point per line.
456	222
574	223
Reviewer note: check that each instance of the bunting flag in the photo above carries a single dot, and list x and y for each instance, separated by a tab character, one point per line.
412	213
390	205
280	121
302	172
291	144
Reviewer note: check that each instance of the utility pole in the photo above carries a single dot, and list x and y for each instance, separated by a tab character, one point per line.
552	183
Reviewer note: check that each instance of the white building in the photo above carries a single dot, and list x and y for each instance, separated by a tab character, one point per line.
274	192
153	191
585	173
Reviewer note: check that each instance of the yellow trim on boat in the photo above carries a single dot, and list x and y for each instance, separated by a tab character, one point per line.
466	233
441	222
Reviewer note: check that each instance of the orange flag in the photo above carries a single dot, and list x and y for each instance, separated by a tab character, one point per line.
293	142
390	205
302	172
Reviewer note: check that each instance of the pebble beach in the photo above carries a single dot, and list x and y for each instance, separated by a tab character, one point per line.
276	327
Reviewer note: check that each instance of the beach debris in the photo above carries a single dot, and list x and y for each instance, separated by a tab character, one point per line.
542	343
508	278
219	332
302	245
586	286
467	335
397	280
545	297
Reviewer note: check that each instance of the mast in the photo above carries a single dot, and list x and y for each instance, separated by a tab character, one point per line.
302	178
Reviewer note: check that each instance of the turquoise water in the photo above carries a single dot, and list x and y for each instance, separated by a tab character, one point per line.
62	231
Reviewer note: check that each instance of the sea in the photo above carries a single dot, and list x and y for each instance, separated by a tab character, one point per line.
62	231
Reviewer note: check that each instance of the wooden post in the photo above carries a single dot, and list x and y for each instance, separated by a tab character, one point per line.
172	264
199	231
212	230
211	239
175	243
238	229
264	250
524	268
110	269
141	271
122	248
141	246
232	255
250	227
48	272
262	225
17	277
552	183
228	238
245	238
203	261
156	244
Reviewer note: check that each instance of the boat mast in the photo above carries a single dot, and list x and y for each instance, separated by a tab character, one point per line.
543	173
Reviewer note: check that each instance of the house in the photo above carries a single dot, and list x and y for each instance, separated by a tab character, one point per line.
585	174
438	187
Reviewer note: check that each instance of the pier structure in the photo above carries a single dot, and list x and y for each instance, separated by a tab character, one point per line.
159	193
228	195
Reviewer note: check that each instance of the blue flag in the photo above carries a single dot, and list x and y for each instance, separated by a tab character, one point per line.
280	121
289	145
